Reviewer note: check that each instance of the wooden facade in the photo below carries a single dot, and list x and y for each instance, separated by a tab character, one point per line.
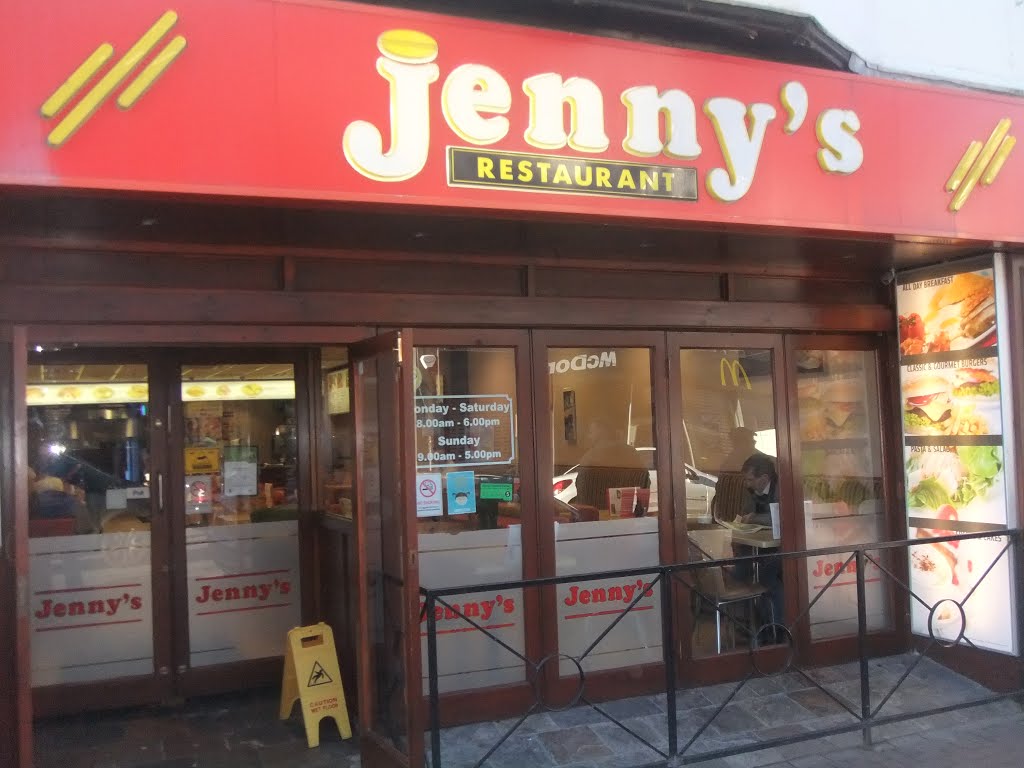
151	273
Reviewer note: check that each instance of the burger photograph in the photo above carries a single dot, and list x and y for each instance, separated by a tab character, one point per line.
831	410
954	401
927	405
958	314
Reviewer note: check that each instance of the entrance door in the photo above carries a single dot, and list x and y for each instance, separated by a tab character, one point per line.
235	454
843	489
164	498
391	732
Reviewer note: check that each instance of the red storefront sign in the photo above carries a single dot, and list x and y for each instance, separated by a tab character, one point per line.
336	101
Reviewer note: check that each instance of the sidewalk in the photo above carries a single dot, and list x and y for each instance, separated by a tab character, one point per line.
243	730
762	710
983	743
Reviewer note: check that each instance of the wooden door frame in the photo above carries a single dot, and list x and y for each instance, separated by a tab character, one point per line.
375	750
15	624
124	691
508	700
731	665
194	681
627	681
896	639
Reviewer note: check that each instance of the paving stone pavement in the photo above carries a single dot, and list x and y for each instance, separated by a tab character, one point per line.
763	709
243	729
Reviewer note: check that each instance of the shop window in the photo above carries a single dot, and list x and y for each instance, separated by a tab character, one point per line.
606	502
841	490
468	507
731	478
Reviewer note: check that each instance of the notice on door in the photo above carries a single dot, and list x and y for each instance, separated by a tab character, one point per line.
241	470
461	493
464	430
201	460
428	495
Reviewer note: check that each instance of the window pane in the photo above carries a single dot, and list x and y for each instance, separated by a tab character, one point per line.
841	466
729	421
468	507
606	503
241	509
89	521
338	444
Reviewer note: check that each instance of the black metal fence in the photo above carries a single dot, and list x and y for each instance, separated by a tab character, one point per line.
680	585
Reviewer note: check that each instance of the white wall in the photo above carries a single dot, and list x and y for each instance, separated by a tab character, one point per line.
976	43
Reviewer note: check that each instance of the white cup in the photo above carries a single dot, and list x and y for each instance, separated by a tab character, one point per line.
776	522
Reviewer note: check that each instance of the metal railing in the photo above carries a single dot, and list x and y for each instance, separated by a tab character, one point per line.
678	585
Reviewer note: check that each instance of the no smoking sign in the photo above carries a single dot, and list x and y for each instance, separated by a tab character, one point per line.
428	495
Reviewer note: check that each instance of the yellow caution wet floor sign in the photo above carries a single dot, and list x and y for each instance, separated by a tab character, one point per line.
311	675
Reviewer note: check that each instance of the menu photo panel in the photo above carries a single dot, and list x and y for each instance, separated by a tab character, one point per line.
954	462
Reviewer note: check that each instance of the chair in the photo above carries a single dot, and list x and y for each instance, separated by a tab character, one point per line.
720	592
731	497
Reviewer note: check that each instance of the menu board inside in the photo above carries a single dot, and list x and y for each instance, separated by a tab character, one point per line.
954	464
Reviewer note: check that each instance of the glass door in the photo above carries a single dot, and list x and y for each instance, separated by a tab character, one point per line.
98	533
391	732
843	492
235	448
728	435
600	443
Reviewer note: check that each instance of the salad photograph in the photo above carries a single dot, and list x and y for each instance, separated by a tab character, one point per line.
967	478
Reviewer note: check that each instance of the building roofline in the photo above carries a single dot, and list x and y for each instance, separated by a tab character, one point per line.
739	30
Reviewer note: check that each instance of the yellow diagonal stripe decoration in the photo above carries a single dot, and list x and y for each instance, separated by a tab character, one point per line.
67	90
980	163
137	87
122	69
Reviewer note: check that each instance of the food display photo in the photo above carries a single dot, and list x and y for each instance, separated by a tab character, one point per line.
953	398
947	314
956	484
974	573
839	482
831	408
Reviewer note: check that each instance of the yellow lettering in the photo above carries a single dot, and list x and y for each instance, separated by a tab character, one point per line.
583	180
484	168
525	170
562	175
604	177
649	180
626	179
543	168
667	178
505	166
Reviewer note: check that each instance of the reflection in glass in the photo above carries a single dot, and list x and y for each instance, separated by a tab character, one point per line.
338	448
606	501
841	467
88	435
732	483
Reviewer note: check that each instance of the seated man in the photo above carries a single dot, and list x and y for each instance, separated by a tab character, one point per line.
762	482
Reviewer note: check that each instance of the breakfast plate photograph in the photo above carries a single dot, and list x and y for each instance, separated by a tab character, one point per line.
948	314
